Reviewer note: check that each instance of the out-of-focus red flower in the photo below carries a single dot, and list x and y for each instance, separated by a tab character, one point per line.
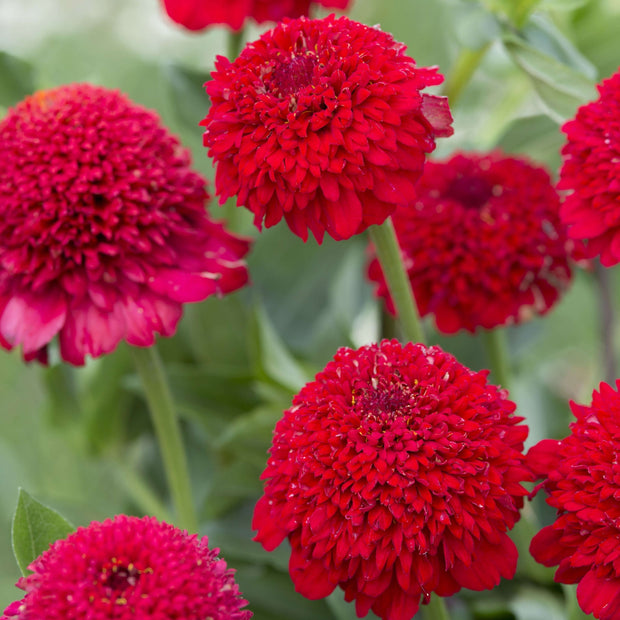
582	479
198	14
322	122
482	242
103	230
395	474
591	174
128	568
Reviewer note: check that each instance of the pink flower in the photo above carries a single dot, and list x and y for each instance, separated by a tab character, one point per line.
322	122
582	476
198	14
128	568
395	474
103	230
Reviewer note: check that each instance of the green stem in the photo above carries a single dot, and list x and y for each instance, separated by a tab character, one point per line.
606	309
462	71
168	431
390	258
235	42
495	343
436	609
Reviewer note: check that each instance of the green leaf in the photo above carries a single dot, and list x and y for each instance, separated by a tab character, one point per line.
16	79
546	37
561	88
475	27
272	358
537	137
188	95
536	604
35	528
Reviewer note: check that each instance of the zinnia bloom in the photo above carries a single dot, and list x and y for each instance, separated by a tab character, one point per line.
198	14
482	242
128	568
103	230
583	483
591	172
322	122
396	473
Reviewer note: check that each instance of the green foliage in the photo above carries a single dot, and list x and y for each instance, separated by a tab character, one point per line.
35	527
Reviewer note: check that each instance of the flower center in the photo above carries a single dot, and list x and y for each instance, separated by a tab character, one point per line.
119	577
289	77
471	191
383	400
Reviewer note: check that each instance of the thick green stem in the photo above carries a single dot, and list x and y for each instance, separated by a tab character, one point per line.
168	431
390	257
235	41
495	343
436	609
607	330
462	71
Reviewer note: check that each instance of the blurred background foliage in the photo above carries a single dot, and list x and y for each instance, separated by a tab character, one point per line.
80	439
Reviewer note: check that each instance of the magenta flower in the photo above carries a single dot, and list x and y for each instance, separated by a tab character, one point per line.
103	230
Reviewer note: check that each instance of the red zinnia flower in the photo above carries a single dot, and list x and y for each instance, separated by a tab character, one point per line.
483	242
322	122
396	473
583	483
103	230
198	14
128	568
591	172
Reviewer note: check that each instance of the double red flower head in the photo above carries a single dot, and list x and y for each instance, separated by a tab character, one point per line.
482	242
395	474
591	172
322	123
103	229
582	479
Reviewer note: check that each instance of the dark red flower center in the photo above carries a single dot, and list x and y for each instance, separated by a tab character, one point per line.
119	578
471	191
383	400
290	76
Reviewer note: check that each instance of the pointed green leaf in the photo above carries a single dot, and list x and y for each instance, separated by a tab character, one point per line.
562	89
35	527
272	357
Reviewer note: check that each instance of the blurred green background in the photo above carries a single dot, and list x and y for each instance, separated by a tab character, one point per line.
80	440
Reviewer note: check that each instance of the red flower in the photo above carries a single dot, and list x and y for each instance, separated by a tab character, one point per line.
590	173
483	242
583	483
322	122
129	569
198	14
396	473
103	232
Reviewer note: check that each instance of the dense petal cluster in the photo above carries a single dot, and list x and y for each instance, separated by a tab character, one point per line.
582	479
322	122
103	229
395	474
482	242
591	171
128	568
198	14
